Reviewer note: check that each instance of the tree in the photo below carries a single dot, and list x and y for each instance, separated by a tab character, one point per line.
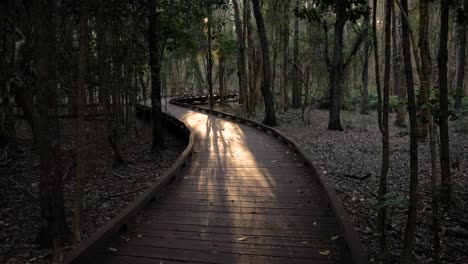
344	10
443	100
53	229
241	55
80	123
381	214
411	221
297	88
462	21
269	118
155	66
7	66
365	70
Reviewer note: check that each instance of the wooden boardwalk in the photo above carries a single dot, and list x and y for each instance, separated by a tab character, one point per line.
243	198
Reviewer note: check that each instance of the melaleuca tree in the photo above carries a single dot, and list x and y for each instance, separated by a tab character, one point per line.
344	11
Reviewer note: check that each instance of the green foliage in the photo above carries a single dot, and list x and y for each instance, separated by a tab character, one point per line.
353	9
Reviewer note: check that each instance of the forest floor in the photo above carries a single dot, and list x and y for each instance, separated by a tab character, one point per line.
356	153
108	191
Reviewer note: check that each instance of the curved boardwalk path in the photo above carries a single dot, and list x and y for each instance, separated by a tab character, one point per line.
243	198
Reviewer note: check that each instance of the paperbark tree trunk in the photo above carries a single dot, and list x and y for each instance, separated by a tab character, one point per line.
269	118
155	66
365	70
443	101
297	87
80	124
412	207
53	229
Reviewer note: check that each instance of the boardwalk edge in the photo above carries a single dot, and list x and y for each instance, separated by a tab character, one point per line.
83	251
351	239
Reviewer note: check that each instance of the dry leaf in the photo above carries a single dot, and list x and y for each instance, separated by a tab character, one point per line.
335	237
113	249
324	252
242	238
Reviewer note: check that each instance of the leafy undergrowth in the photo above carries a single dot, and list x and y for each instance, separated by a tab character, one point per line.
107	193
344	157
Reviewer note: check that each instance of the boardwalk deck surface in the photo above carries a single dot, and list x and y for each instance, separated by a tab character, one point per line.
243	198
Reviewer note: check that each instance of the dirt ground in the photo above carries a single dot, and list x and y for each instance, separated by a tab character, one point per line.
345	156
108	190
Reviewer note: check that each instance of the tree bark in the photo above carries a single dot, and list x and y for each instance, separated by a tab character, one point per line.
382	212
297	88
284	36
365	70
335	72
443	101
412	207
53	230
269	118
80	123
155	66
7	66
462	21
241	57
398	86
209	59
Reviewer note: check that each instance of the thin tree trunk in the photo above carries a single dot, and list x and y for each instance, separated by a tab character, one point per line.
443	101
462	21
269	119
103	79
7	66
155	66
284	36
53	228
297	88
241	57
365	70
380	226
398	87
252	59
411	221
80	124
209	59
382	212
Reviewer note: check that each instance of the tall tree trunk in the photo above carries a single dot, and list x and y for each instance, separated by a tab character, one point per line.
297	88
443	101
209	59
382	212
80	123
411	221
221	79
284	36
241	57
252	56
53	229
155	66
381	219
462	21
365	70
7	66
103	78
398	86
269	119
335	73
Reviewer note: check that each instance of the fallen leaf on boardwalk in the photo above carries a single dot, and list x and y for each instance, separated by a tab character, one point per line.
304	242
335	237
273	161
113	249
242	238
139	236
315	223
324	252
